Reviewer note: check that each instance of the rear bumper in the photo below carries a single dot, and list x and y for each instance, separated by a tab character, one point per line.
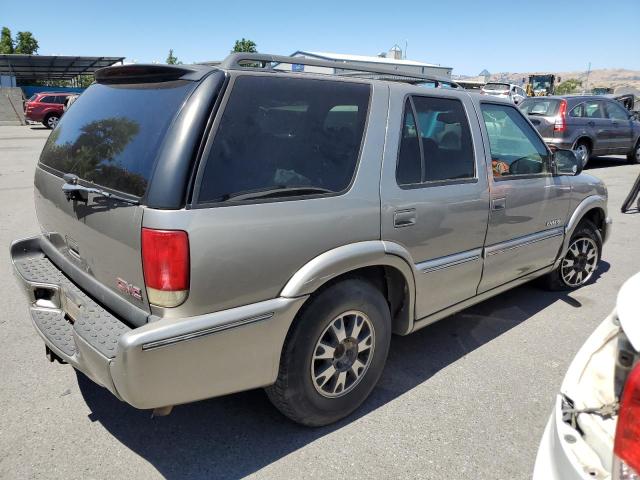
164	362
34	116
562	143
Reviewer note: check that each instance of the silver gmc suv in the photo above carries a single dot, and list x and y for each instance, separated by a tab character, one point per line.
207	230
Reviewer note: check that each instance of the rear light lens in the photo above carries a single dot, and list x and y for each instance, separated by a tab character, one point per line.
561	119
627	441
165	261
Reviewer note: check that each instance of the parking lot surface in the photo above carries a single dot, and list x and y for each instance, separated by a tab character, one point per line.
467	397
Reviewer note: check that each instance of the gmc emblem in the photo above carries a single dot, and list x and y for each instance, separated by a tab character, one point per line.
129	289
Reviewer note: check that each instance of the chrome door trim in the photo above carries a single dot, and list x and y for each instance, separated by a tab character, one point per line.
524	241
449	261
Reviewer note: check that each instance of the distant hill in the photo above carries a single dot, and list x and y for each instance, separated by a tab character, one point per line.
608	77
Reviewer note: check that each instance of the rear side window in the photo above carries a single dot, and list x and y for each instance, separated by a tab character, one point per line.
48	99
112	134
285	136
435	143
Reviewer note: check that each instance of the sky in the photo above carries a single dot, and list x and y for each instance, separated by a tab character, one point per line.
469	36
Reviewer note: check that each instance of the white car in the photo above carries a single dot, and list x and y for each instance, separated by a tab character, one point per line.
505	90
594	430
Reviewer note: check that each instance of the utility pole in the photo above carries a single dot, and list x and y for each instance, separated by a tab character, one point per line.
586	83
406	44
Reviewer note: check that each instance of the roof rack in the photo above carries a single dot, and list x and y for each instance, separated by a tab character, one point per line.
260	61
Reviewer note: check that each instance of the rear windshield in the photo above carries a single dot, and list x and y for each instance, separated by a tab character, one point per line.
496	86
539	106
112	134
286	135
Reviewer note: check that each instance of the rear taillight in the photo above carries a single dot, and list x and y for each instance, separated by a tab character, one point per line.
561	119
165	261
627	441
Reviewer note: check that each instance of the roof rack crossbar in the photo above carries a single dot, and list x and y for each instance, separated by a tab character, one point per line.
248	61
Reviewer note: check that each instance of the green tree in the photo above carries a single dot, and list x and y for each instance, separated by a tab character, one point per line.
244	45
26	43
568	86
6	43
85	80
172	59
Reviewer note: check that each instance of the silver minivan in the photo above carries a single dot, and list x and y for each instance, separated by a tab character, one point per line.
207	230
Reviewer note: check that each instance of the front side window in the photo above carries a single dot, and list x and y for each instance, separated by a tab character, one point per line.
436	142
616	112
280	137
515	147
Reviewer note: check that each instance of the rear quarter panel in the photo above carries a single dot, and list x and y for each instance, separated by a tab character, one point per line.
242	254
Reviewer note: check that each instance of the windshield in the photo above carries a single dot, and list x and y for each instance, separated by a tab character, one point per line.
496	86
113	132
539	106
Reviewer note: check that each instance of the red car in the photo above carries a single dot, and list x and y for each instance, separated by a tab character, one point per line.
46	107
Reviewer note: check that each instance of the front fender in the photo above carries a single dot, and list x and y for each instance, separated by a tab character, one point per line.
347	258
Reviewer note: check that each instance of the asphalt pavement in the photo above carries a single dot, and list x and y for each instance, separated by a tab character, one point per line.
465	398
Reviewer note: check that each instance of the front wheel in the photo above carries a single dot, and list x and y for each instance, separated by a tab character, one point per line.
581	259
634	155
334	354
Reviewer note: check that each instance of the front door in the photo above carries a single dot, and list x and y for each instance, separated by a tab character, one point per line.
529	206
620	127
434	194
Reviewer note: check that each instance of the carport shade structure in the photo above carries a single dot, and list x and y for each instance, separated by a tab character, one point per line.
52	67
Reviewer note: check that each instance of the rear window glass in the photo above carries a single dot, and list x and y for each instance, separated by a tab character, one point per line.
496	86
547	108
112	134
282	135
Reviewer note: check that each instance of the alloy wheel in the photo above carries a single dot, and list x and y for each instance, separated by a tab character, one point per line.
52	122
342	354
580	262
583	153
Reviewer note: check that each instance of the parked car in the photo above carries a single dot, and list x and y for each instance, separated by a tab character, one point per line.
589	125
594	429
46	107
211	230
507	91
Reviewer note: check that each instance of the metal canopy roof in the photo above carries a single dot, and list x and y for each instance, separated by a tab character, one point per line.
53	67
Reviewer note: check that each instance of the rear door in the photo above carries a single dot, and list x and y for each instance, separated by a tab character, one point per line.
110	140
529	206
598	126
621	128
435	197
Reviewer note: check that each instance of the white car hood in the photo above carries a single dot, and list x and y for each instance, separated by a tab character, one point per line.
628	309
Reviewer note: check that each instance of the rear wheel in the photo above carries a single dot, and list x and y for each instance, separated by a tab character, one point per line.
334	354
634	155
580	261
51	121
583	151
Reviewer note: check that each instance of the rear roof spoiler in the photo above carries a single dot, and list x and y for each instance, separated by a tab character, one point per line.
139	73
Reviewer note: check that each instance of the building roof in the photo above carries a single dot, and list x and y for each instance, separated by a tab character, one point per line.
342	57
52	67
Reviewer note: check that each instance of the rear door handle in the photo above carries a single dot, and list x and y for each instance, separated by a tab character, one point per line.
591	123
615	124
404	218
499	203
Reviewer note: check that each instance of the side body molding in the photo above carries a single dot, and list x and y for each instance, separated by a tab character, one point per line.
347	258
589	203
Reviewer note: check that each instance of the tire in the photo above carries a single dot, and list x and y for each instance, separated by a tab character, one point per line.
634	155
586	236
583	151
51	121
298	392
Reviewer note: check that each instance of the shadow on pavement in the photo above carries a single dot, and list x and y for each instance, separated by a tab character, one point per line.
606	162
236	435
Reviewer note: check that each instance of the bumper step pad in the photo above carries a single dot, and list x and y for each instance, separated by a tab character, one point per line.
95	325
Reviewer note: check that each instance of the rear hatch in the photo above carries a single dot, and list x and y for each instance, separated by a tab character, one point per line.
542	112
109	141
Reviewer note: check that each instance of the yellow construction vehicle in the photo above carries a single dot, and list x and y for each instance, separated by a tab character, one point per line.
542	85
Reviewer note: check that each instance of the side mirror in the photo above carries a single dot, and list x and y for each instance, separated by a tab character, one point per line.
566	162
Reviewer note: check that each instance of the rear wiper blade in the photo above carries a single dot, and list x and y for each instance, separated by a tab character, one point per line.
73	191
279	191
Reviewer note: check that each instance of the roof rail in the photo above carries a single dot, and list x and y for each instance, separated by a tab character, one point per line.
260	61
